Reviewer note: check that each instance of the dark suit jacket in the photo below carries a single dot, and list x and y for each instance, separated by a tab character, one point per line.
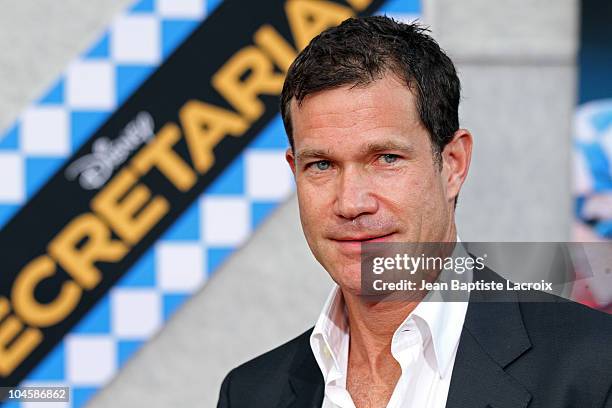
516	350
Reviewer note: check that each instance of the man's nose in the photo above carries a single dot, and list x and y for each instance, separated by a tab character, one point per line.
354	194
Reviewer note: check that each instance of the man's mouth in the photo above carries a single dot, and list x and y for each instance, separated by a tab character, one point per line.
363	238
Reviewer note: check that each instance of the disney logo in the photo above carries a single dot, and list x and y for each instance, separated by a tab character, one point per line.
95	169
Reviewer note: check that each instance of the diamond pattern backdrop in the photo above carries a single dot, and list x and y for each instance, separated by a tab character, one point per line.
219	222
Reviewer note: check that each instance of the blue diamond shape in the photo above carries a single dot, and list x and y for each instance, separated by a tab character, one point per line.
84	124
143	6
260	211
51	368
101	49
142	274
55	95
10	140
38	170
187	227
401	6
82	395
272	137
231	181
7	211
126	349
211	5
129	78
216	256
172	303
97	320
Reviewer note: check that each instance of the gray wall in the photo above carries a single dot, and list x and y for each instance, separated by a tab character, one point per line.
38	38
516	61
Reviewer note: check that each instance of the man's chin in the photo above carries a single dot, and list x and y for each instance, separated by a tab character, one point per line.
368	297
349	280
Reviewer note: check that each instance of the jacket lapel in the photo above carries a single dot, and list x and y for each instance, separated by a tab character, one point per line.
493	337
305	394
305	388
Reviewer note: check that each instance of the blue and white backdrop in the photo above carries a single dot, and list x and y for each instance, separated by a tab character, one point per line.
105	274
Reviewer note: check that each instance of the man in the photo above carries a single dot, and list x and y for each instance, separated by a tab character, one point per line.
371	111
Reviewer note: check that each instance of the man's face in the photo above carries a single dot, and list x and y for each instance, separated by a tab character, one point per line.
365	172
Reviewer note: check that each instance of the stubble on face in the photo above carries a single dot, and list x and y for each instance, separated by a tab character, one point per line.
365	172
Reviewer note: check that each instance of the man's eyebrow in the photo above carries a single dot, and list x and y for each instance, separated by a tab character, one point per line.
311	154
370	148
386	146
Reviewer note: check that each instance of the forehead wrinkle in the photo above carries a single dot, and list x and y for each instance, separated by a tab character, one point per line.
388	132
333	115
342	120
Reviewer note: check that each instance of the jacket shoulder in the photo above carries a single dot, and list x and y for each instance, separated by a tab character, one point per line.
577	334
278	359
564	316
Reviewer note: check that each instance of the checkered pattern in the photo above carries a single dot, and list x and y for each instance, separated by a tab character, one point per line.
593	165
215	225
92	87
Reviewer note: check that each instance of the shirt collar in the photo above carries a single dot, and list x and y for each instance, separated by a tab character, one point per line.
442	321
330	334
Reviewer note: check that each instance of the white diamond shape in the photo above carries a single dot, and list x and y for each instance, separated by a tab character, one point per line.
91	360
136	313
91	85
193	9
225	221
12	182
136	39
180	266
44	131
268	175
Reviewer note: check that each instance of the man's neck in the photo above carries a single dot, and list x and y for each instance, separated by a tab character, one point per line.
372	324
372	371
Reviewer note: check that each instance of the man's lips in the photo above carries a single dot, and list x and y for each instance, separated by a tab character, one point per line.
358	239
351	245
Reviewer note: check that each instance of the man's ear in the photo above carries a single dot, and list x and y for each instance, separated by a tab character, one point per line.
290	159
456	158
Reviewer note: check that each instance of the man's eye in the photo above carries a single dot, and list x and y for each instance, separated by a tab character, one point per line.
389	158
321	164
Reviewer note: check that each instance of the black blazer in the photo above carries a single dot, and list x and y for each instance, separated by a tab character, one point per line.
527	350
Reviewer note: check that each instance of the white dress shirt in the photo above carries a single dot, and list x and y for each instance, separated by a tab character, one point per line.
424	344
